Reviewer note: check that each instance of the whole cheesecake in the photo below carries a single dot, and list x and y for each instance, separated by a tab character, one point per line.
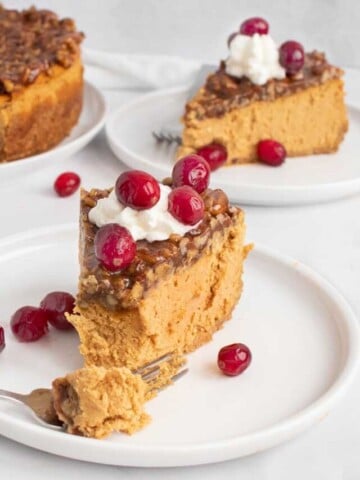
262	92
41	81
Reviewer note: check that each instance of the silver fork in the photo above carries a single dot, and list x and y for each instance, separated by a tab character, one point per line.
40	403
173	135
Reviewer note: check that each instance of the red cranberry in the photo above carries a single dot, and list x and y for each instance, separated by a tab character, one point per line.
137	189
215	154
56	304
271	152
291	56
254	25
231	38
186	205
234	359
192	170
2	339
29	324
114	247
66	184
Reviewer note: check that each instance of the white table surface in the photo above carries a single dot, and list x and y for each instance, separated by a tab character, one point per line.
326	237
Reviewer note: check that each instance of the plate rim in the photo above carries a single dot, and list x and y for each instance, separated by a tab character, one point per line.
80	448
84	138
300	193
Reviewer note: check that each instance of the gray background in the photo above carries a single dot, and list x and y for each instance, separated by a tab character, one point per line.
199	28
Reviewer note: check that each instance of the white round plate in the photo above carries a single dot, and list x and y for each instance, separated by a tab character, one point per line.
300	180
303	336
92	119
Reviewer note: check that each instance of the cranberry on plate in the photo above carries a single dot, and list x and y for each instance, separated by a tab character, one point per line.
137	189
215	154
186	205
115	248
292	56
234	359
66	184
56	304
2	339
254	25
29	323
193	171
271	152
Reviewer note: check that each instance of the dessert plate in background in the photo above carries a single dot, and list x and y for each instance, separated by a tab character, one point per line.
303	336
91	121
302	180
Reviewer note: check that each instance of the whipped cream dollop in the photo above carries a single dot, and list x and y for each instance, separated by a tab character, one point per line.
256	58
152	224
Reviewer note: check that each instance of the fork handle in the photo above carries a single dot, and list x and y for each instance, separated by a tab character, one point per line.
12	396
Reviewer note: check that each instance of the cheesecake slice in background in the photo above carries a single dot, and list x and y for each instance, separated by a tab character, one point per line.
264	92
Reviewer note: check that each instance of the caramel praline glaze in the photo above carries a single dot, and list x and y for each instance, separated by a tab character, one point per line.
31	42
223	92
152	258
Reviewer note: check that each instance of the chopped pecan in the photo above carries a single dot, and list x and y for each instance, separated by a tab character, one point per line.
217	202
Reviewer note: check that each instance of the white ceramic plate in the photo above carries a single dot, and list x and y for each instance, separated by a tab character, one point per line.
299	181
303	335
91	121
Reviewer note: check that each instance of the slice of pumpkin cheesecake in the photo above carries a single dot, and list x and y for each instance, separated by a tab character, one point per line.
161	266
262	92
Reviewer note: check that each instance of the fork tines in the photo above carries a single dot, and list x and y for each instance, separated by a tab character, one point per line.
154	363
167	136
150	371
